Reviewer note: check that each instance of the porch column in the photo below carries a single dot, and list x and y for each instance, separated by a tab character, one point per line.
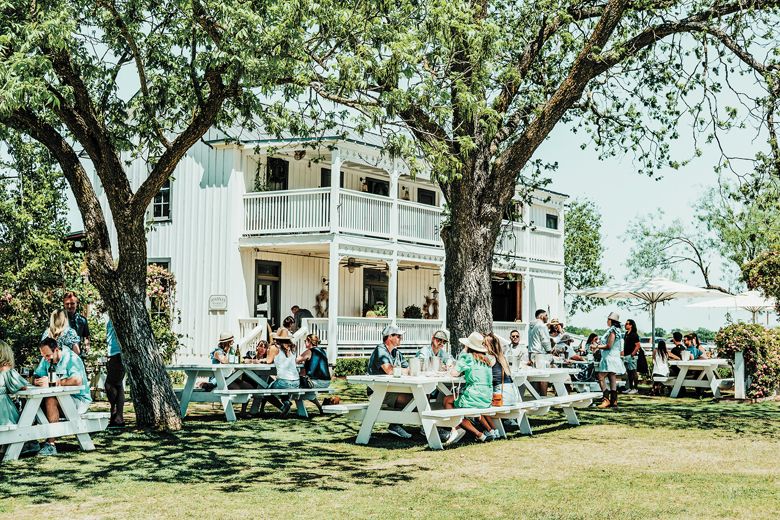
442	298
335	185
333	300
527	311
392	289
394	174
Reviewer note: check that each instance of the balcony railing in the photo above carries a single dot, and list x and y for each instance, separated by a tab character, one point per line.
294	211
308	211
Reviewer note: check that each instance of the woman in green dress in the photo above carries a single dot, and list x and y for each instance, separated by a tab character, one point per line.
10	383
477	392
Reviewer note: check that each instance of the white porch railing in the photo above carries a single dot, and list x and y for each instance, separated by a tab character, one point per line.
295	211
251	330
359	336
419	222
364	214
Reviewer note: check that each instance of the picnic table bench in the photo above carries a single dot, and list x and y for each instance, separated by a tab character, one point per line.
224	374
15	435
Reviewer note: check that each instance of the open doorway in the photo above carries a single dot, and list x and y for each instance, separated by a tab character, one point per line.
507	299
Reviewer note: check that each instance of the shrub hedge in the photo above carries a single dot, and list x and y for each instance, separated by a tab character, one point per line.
761	351
350	367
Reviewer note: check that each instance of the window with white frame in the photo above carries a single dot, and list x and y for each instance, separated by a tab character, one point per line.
551	221
161	205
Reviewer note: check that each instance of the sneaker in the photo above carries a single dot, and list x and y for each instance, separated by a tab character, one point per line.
286	408
455	436
31	447
633	391
444	435
495	434
484	438
396	430
47	449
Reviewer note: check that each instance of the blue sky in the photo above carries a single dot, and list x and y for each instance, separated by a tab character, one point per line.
622	194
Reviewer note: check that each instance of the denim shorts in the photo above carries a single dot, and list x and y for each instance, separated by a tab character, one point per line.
285	383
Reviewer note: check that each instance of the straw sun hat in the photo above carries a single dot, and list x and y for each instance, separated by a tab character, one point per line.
474	342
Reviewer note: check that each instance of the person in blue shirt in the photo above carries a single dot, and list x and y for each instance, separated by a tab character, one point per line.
384	358
692	345
115	377
67	369
437	349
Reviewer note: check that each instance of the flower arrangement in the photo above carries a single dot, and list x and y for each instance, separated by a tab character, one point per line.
761	351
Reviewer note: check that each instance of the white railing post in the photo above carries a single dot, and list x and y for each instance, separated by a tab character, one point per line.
333	300
442	298
335	189
394	202
739	375
392	289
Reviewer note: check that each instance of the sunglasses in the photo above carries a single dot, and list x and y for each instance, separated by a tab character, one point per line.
514	336
396	335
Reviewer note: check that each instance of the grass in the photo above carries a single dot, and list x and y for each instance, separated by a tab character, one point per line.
650	458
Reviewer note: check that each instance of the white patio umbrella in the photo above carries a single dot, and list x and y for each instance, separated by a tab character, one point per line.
650	290
751	301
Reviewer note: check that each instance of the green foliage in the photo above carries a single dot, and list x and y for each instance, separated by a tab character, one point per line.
161	292
583	251
350	367
413	312
761	351
37	264
763	272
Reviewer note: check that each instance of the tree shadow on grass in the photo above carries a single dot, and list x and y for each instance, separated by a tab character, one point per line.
277	454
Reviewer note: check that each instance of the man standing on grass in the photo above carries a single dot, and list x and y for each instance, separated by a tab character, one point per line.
76	321
539	343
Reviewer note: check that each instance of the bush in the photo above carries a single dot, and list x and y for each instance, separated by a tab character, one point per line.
413	312
760	348
350	367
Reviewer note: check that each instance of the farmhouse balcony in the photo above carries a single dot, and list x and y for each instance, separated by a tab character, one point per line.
313	211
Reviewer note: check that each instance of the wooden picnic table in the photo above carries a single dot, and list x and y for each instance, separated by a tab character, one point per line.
417	386
707	375
558	377
74	424
224	374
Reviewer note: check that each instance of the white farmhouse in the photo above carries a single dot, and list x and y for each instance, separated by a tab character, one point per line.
335	226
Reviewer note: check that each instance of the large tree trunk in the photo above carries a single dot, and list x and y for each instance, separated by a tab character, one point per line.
469	240
123	290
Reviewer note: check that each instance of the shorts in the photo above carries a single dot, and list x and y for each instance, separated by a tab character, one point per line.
317	383
115	370
630	362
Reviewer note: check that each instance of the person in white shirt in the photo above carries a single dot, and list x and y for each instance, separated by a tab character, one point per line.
539	343
660	366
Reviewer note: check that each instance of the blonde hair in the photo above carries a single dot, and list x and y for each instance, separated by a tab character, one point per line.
6	355
493	346
58	322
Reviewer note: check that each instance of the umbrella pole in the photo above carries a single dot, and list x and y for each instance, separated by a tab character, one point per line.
652	324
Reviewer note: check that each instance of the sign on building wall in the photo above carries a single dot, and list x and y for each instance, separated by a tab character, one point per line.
218	302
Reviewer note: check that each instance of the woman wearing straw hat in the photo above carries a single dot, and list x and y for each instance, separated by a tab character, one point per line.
611	363
477	392
220	356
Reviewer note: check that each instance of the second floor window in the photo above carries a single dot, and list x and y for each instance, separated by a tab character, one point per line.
325	178
278	173
426	196
552	221
161	205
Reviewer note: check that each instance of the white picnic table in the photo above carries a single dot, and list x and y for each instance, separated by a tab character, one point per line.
224	374
558	377
81	426
706	375
417	386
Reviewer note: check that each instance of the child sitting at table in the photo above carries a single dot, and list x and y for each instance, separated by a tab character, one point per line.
10	383
477	392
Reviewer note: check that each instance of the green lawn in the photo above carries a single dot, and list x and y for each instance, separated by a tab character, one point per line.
651	458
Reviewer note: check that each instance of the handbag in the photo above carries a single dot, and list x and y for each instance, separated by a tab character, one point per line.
305	382
498	398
